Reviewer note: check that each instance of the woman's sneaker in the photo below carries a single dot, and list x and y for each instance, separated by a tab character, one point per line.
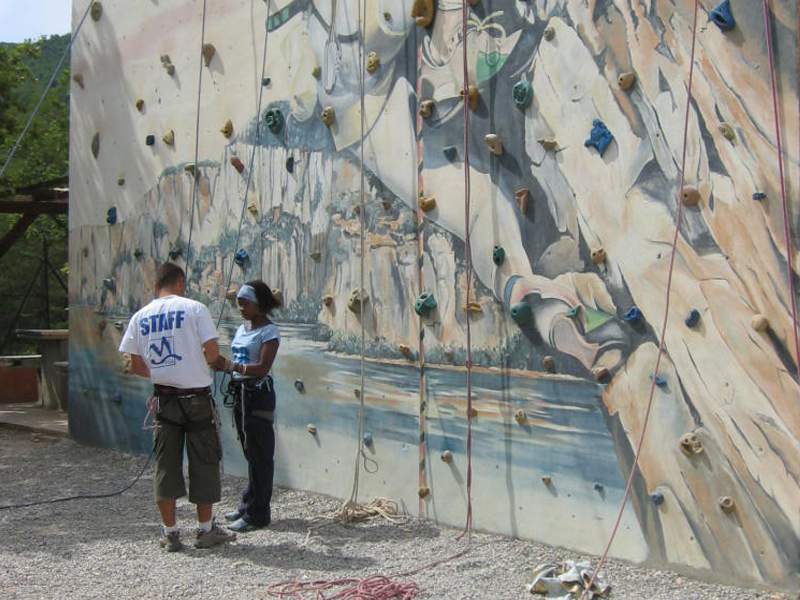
234	515
171	541
214	537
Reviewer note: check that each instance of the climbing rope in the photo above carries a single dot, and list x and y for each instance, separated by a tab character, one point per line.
787	228
47	88
196	178
673	252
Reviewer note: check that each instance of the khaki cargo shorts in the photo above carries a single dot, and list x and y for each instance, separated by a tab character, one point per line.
189	421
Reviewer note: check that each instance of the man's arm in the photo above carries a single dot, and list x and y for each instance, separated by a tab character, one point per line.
139	367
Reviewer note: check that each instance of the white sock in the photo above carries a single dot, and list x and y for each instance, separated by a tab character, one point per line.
205	527
170	529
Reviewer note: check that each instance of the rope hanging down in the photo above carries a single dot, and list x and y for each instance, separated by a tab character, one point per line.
673	252
38	106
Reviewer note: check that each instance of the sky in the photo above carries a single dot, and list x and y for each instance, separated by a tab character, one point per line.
30	19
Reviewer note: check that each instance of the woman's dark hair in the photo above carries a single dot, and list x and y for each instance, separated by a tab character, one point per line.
168	275
267	302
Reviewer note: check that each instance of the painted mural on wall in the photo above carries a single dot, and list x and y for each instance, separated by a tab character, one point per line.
570	244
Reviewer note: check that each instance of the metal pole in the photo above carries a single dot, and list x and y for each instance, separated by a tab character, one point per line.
45	286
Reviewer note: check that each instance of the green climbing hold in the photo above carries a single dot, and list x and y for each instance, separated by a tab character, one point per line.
592	319
498	255
522	93
425	304
274	120
521	313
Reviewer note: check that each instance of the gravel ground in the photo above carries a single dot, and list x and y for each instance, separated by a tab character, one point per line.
107	548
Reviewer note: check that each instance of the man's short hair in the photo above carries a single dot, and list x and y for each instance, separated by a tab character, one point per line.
168	275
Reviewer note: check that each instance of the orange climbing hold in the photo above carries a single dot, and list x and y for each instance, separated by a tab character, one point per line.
96	11
140	105
237	164
472	96
208	53
427	204
690	196
227	128
521	195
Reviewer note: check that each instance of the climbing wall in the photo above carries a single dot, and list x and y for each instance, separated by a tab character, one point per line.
576	142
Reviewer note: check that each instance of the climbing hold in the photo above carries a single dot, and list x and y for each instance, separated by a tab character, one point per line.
426	108
447	456
657	498
278	296
727	131
140	105
316	72
427	204
387	16
522	92
520	417
598	256
265	81
150	140
547	480
166	62
316	255
406	351
96	11
356	301
241	257
626	81
549	364
274	120
138	254
498	255
230	295
96	145
169	138
759	196
473	308
691	444
78	78
495	143
290	164
367	439
660	380
632	315
693	318
727	504
549	33
472	96
311	428
474	412
111	215
120	181
328	116
690	196
722	16
373	62
327	300
424	491
422	12
190	169
600	137
176	251
760	323
573	312
425	304
299	385
521	313
601	374
549	144
110	284
119	325
237	163
450	153
598	487
521	196
227	129
208	53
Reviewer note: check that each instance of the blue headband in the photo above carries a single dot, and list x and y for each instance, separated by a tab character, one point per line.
247	292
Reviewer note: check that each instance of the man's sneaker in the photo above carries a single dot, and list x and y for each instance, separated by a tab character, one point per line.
171	541
217	535
234	515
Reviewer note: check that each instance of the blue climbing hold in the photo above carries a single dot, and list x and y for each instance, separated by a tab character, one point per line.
425	304
693	318
450	153
175	252
299	385
522	313
522	93
600	137
660	381
150	140
722	16
498	255
759	196
110	284
368	439
241	257
573	312
632	315
290	164
138	254
598	487
266	81
111	215
274	120
657	498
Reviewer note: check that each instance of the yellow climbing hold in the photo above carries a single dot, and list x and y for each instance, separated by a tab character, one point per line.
373	62
278	295
78	78
626	81
690	444
405	350
424	491
96	11
549	33
727	504
727	131
227	129
427	204
328	116
426	108
316	255
316	72
140	105
473	308
327	300
549	144
208	53
422	12
96	145
356	301
472	96
474	412
760	323
520	417
169	138
495	143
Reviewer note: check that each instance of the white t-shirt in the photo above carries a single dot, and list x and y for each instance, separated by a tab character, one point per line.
246	344
168	334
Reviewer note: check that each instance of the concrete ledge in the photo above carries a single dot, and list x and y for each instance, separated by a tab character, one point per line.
31	417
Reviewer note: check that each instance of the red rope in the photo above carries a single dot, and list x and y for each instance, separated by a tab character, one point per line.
640	443
787	229
376	587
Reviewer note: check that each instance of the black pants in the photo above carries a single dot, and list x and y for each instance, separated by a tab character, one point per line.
258	443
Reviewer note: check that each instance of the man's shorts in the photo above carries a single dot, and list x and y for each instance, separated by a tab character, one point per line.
189	420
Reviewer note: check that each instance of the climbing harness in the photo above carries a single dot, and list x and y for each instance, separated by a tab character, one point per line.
662	336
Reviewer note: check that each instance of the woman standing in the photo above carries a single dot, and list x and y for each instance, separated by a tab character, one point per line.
254	348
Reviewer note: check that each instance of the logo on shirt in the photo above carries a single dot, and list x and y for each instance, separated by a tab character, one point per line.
165	351
241	354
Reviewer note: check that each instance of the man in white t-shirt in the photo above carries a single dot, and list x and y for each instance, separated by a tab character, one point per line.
173	341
